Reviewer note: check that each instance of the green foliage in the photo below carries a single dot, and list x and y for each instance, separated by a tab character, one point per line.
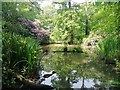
67	23
20	54
27	10
11	11
110	48
105	20
17	50
9	16
77	49
104	17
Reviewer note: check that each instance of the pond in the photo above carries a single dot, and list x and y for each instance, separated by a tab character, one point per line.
76	70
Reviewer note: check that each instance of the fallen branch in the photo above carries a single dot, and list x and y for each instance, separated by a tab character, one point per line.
30	84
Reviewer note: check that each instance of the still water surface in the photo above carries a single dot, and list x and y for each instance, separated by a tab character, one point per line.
76	70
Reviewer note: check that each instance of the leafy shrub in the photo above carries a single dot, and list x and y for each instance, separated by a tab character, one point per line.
41	35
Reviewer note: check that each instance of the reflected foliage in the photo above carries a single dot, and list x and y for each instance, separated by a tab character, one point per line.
72	68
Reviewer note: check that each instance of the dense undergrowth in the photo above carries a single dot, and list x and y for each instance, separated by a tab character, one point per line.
20	54
109	49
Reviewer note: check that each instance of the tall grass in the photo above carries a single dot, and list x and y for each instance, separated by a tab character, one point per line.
110	48
19	52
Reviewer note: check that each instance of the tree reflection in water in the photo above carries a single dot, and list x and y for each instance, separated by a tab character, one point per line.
75	70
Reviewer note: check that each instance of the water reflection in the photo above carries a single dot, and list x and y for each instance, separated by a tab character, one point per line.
76	70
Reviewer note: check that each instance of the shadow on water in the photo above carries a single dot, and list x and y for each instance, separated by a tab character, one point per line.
76	70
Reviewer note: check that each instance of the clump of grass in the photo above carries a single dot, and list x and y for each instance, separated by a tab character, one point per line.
109	48
17	49
19	54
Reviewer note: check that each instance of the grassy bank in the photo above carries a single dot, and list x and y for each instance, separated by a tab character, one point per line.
19	54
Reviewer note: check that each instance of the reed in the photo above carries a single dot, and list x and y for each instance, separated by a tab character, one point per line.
109	48
19	52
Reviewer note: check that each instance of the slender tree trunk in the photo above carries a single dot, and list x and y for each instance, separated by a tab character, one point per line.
69	3
87	32
71	31
83	86
87	27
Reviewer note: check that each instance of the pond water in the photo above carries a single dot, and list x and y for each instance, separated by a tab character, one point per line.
76	70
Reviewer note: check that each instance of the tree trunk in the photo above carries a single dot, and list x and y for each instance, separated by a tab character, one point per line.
87	27
83	86
71	31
